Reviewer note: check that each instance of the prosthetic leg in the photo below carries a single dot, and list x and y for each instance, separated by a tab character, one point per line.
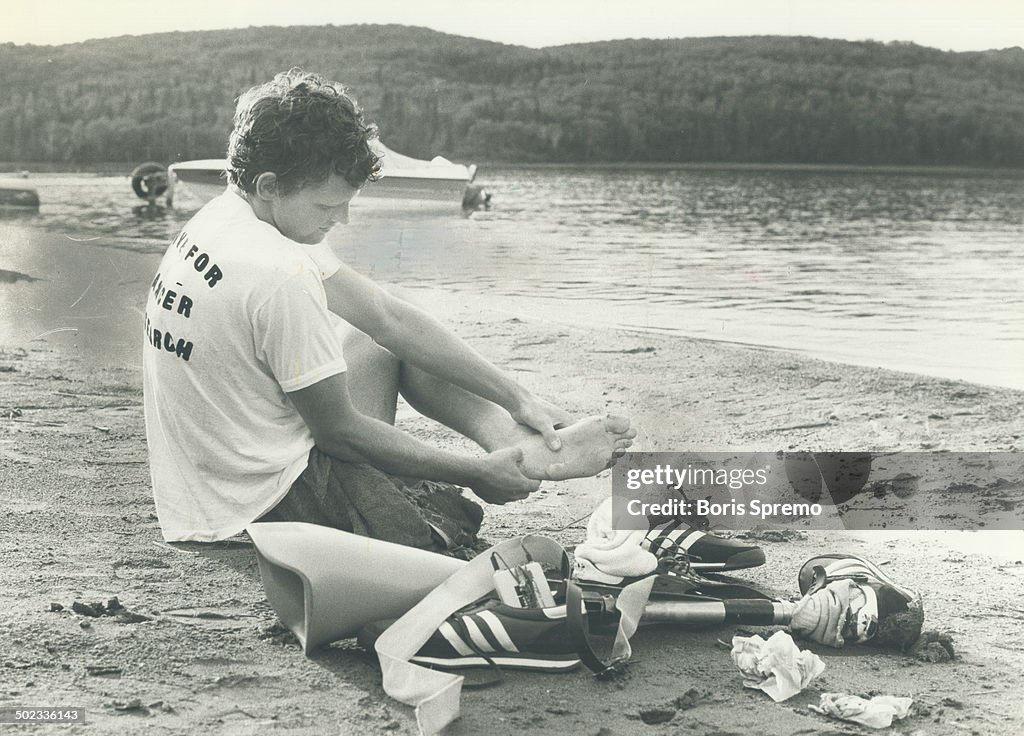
326	584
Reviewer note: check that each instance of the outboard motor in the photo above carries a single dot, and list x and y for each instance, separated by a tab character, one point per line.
149	181
476	197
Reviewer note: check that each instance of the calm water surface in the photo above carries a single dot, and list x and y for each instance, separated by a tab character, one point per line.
914	272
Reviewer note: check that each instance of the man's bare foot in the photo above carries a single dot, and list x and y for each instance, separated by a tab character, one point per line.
588	447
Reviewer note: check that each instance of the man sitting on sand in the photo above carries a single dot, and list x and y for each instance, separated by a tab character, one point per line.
272	371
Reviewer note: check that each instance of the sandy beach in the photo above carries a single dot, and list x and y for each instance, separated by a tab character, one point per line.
197	647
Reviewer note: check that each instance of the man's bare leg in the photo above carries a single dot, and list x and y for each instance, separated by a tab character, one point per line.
482	421
372	376
376	377
588	446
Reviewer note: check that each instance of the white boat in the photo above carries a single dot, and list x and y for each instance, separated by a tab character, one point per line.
405	183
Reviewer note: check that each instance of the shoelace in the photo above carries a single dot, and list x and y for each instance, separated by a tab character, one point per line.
675	560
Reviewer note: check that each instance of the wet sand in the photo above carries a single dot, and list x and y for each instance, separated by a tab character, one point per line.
80	526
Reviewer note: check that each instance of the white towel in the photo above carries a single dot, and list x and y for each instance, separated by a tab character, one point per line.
613	552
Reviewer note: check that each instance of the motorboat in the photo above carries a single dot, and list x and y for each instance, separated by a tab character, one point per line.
15	195
405	183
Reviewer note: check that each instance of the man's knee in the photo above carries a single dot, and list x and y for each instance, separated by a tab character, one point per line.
359	348
403	293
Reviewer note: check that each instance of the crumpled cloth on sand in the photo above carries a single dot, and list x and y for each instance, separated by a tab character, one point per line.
878	712
614	552
777	666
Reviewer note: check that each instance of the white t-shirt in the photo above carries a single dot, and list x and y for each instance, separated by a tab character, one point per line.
236	316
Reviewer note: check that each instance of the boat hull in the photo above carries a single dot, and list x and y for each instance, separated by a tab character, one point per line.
193	183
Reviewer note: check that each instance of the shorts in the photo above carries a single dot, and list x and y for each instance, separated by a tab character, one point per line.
359	498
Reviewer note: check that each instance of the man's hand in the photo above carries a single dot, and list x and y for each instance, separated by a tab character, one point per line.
542	416
502	479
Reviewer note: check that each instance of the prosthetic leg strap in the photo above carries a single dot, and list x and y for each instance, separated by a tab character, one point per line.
630	605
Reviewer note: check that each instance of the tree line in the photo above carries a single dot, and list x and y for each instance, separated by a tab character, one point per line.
170	97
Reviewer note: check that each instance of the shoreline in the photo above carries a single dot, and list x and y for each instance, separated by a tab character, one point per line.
532	309
81	526
662	354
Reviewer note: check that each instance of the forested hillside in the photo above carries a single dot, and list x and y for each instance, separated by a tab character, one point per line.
762	99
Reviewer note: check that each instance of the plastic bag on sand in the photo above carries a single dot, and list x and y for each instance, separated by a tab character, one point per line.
877	712
776	666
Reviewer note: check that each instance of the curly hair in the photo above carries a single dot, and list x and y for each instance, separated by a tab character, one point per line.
303	128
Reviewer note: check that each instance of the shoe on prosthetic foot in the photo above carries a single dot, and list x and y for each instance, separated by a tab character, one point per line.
848	599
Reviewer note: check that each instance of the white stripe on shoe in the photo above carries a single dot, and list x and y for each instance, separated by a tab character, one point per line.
671	536
658	535
453	638
687	538
498	630
476	635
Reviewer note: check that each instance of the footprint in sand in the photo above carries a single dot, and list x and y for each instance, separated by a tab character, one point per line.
588	447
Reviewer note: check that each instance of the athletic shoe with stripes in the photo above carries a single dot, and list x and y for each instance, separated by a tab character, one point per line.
705	552
893	614
490	633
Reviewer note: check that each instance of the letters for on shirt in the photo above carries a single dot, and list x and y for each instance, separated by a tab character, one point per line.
176	301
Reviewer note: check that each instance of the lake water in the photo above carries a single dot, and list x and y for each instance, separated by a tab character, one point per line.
917	272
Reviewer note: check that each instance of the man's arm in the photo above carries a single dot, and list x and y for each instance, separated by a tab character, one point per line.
419	339
340	430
